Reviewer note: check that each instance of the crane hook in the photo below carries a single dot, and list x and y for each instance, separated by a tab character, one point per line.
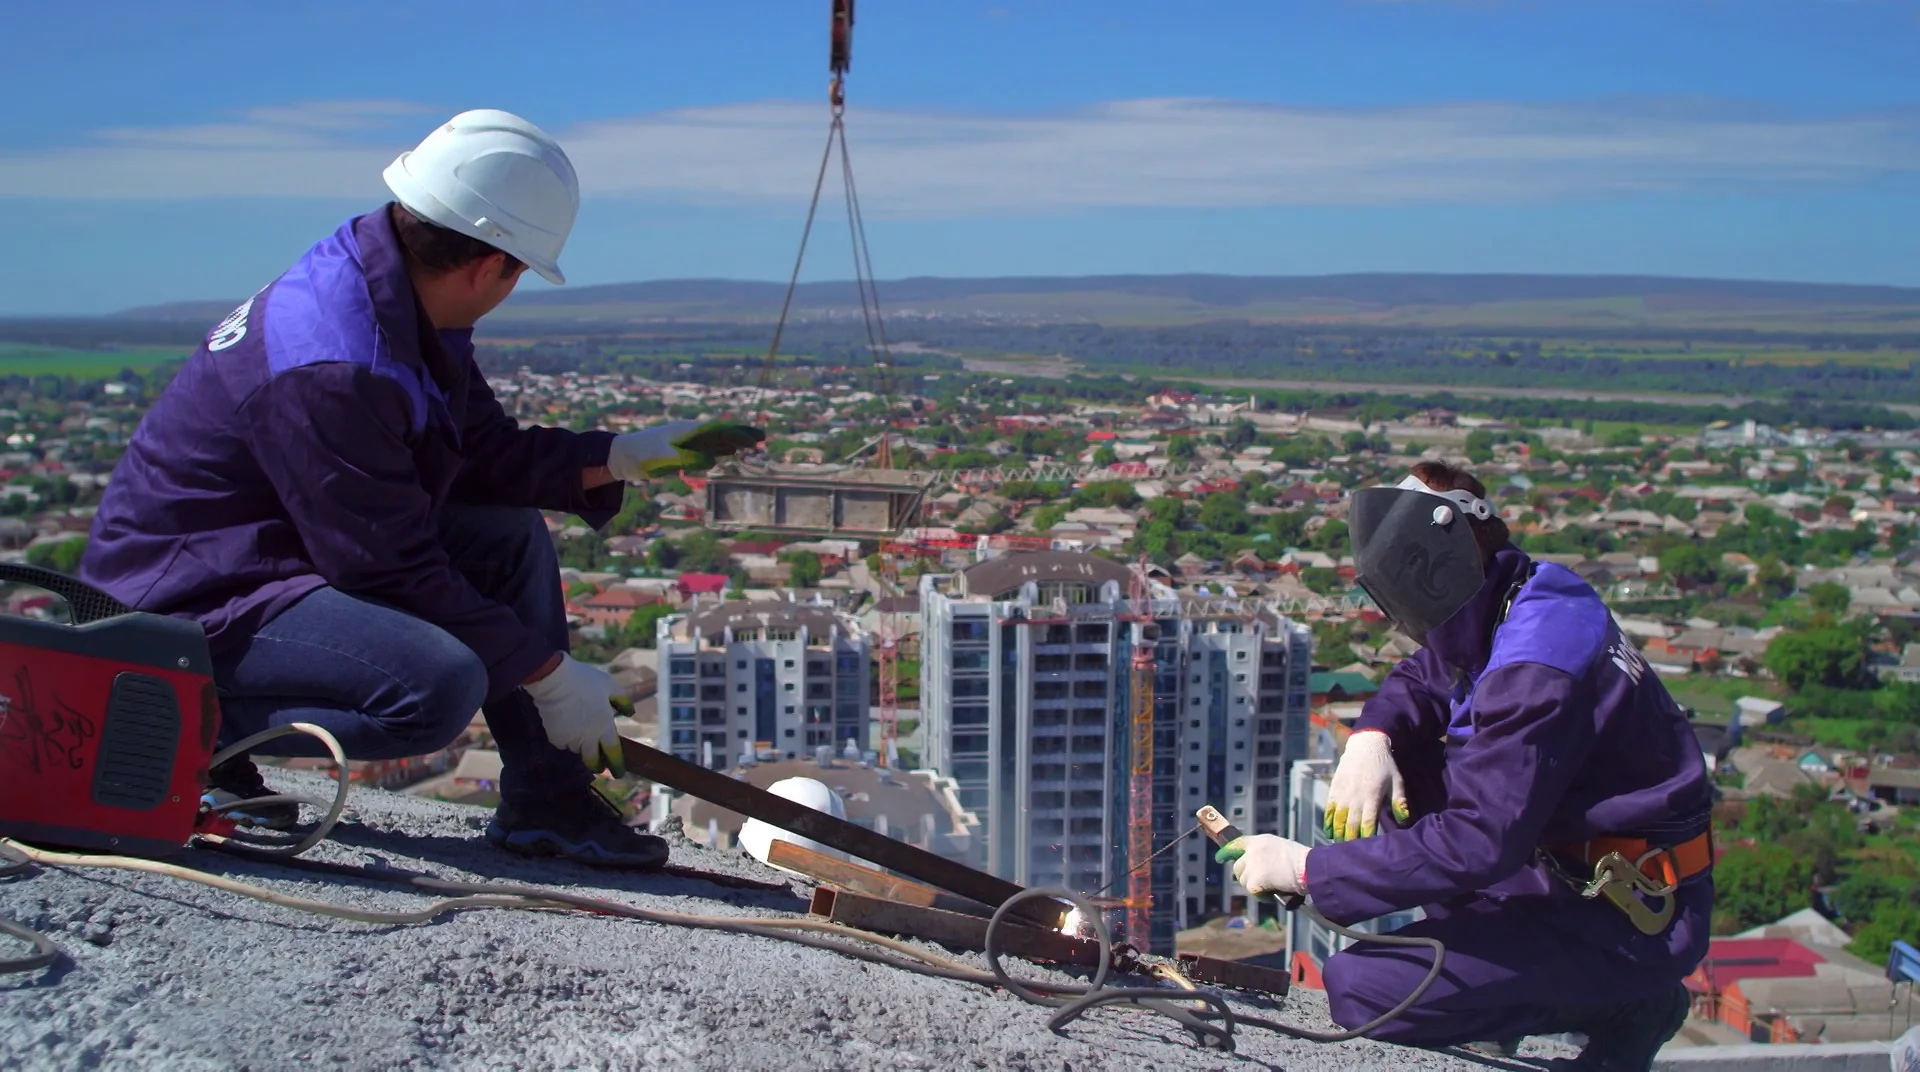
840	52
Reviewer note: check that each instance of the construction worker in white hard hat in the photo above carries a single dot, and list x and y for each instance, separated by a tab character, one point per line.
331	489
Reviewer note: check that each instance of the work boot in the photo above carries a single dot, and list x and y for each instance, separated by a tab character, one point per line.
238	779
1626	1037
580	826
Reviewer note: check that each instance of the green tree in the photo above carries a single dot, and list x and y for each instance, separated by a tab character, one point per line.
662	555
700	552
1689	565
1331	538
1048	516
1832	655
639	630
1623	437
1479	446
1771	579
1758	884
1105	455
1224	513
803	569
1111	493
1874	941
1182	448
63	556
1829	598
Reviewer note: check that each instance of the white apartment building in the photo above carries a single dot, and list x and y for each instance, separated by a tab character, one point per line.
761	677
1027	704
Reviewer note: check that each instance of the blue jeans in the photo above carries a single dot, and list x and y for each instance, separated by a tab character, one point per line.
388	684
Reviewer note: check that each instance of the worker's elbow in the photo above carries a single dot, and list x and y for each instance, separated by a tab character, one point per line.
1488	858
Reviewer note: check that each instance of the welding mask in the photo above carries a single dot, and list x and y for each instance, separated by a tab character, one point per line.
1414	553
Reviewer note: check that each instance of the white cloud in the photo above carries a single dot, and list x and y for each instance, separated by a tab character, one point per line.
1165	153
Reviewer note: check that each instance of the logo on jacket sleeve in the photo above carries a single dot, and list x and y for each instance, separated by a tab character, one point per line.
232	329
1630	662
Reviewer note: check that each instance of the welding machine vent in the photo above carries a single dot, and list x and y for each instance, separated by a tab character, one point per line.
138	743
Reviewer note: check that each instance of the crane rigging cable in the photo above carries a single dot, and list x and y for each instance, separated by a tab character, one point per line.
840	60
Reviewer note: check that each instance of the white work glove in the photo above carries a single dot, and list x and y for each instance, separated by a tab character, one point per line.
576	704
676	447
1268	865
1364	782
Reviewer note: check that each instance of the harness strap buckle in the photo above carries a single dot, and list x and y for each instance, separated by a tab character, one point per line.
1621	880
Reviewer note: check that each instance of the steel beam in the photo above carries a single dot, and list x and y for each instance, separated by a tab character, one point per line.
869	881
854	840
956	930
1234	973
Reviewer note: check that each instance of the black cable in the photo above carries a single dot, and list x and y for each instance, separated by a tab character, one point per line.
1157	999
45	953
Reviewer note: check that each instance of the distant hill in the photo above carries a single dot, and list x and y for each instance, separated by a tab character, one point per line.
1518	303
200	312
1496	302
1226	291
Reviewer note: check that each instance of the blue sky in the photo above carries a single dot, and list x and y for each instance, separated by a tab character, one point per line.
192	149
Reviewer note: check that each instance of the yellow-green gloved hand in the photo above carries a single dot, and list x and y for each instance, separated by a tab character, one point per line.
677	447
576	705
1268	865
1365	782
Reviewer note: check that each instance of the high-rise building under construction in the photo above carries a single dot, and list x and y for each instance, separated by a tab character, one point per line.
1027	701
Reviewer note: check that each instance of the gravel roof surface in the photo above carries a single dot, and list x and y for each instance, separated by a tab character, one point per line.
161	973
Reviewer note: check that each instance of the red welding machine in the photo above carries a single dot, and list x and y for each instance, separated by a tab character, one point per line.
107	724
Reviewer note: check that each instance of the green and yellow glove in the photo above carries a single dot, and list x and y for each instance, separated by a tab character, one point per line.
1365	782
678	447
1268	865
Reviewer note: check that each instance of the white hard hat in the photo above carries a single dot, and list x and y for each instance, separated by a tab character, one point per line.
493	176
757	837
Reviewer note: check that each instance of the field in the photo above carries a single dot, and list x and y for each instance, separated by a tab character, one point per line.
1713	697
19	359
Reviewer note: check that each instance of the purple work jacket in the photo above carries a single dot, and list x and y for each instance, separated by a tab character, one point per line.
1540	731
312	440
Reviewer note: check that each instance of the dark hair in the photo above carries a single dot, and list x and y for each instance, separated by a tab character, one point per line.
1491	534
439	249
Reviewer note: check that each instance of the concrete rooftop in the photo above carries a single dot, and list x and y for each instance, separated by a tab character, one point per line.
167	974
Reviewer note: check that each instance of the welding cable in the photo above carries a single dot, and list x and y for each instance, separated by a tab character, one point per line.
44	951
508	896
1156	999
276	846
561	898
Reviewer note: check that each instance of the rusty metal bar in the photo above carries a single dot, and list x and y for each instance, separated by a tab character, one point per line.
956	930
1234	973
909	860
872	882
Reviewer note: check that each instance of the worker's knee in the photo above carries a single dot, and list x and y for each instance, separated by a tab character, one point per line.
449	686
1366	981
1352	989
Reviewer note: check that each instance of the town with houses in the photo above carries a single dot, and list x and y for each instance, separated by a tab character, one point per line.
961	680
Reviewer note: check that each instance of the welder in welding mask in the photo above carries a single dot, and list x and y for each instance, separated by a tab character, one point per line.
1524	756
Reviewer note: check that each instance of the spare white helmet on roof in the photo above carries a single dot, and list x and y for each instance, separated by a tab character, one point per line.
493	176
1414	551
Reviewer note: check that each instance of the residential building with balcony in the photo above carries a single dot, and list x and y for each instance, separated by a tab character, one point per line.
782	678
